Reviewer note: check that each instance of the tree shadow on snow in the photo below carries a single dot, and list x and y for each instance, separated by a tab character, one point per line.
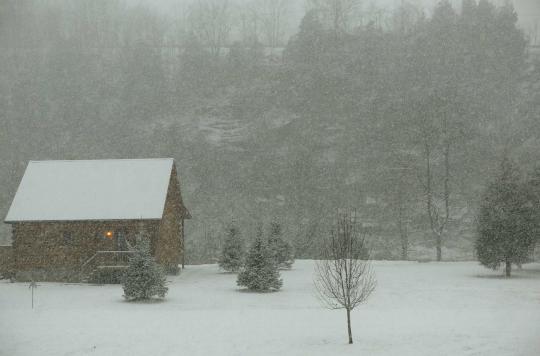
528	272
248	291
145	301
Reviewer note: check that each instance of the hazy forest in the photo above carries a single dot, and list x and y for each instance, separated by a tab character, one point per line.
402	114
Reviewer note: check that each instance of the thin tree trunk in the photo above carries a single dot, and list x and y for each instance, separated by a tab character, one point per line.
402	230
428	186
404	238
447	183
439	247
446	196
508	268
433	218
349	325
405	248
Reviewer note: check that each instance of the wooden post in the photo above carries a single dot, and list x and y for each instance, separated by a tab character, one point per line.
32	286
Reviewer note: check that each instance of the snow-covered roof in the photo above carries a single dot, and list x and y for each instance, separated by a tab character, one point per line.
114	189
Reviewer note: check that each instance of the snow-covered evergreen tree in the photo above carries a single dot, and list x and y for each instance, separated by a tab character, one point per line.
232	252
144	278
505	221
282	250
260	272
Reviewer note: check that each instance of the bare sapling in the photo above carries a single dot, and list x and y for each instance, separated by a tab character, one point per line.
344	277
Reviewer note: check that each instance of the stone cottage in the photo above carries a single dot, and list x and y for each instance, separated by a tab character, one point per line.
72	218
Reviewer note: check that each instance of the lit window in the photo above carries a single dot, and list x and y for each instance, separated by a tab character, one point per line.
109	234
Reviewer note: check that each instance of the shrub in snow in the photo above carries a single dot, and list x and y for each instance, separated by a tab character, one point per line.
260	272
144	278
282	251
505	221
232	252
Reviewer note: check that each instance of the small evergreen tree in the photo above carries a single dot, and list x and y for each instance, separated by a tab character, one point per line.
282	251
505	222
260	272
144	278
232	252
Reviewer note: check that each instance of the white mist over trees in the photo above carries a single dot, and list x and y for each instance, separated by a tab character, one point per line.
396	110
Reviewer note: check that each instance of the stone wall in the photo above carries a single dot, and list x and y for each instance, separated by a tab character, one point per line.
6	253
169	252
57	250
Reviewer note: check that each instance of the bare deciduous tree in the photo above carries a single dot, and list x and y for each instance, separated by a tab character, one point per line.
401	194
438	219
273	14
250	23
439	134
401	212
211	23
534	32
344	277
337	13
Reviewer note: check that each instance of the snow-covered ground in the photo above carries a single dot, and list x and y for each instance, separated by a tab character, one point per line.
431	309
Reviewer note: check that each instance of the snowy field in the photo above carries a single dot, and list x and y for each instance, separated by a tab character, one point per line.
431	309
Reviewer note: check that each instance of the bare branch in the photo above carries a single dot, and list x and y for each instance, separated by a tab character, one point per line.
344	278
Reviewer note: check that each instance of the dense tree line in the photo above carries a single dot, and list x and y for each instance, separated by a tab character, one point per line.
404	118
